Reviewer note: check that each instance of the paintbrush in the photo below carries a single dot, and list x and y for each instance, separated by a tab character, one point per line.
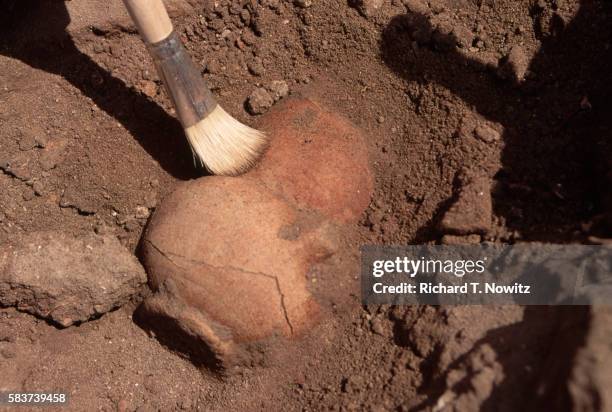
218	141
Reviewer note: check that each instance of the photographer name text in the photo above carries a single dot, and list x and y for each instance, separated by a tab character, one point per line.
428	288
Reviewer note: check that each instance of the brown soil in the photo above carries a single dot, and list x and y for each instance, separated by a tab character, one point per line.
88	142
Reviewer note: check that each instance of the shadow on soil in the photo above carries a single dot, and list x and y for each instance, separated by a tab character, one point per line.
536	359
556	174
557	123
169	333
33	31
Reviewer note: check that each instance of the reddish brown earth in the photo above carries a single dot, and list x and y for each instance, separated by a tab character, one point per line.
512	94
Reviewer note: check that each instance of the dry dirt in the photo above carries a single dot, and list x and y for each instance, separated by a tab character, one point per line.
514	92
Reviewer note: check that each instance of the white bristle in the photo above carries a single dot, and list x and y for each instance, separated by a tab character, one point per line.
224	145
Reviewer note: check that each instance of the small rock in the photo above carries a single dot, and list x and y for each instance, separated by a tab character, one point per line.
486	133
38	188
368	8
377	327
471	212
27	141
380	119
278	89
28	194
514	66
142	212
68	279
259	101
226	34
149	88
41	140
417	6
303	3
256	67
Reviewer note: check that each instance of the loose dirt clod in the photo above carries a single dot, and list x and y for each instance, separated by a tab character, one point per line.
256	67
486	133
279	89
18	166
417	6
368	8
515	65
68	279
471	212
259	101
29	139
303	3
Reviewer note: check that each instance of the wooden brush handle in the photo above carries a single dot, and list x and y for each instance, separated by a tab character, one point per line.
151	18
187	90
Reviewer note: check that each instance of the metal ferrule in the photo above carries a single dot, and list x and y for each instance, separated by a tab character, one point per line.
187	89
